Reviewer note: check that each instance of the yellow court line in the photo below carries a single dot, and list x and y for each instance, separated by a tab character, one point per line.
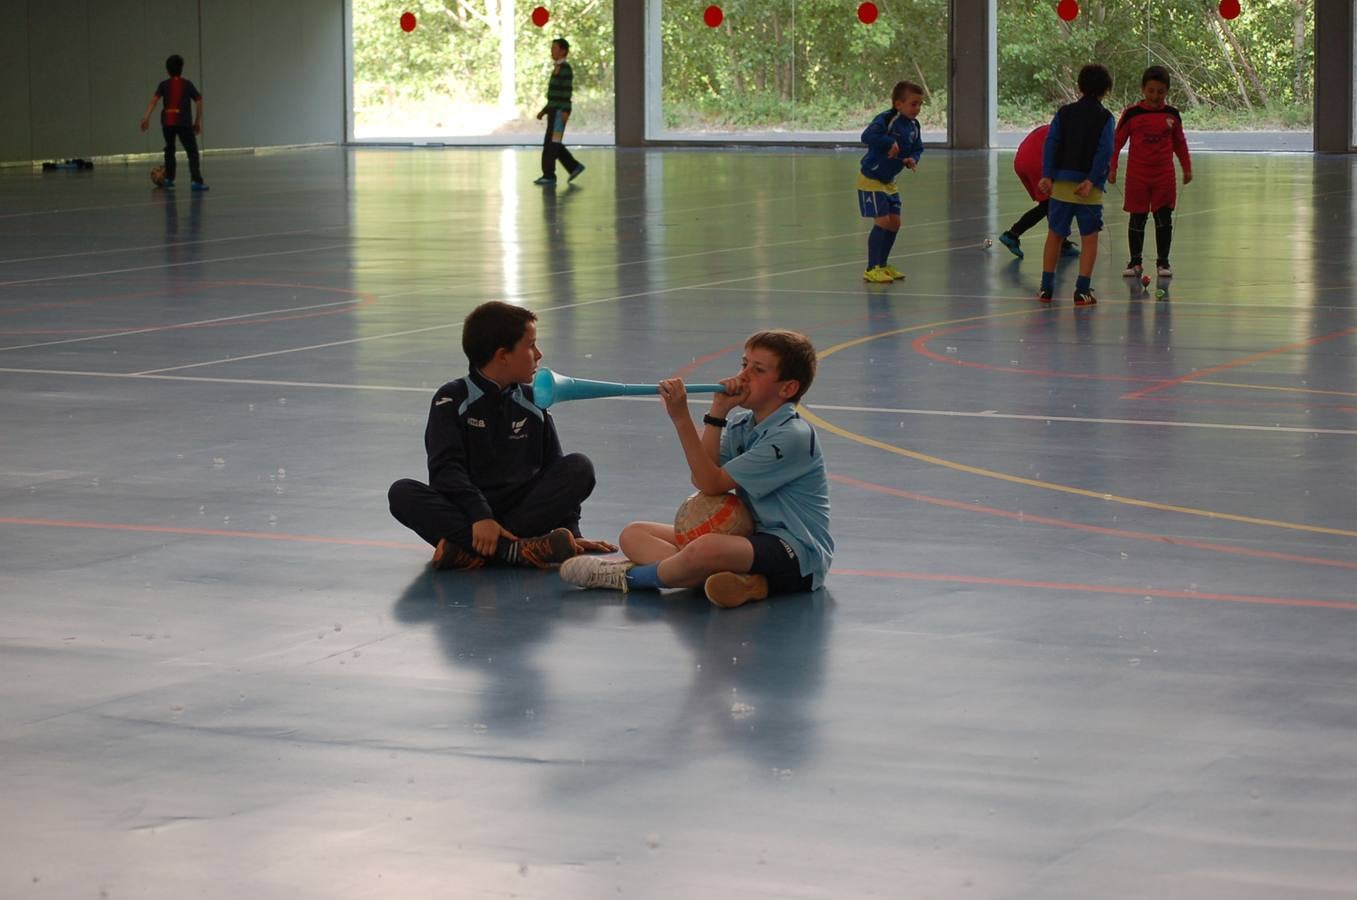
1269	387
1032	482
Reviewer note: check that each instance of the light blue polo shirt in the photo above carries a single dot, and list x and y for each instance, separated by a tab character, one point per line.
779	473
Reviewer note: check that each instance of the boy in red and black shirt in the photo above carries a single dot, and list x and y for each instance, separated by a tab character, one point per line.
178	93
1155	131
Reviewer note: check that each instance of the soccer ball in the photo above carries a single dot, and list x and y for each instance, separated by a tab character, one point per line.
158	176
712	514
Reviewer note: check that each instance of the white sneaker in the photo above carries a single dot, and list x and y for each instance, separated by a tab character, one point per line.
1132	270
1164	270
592	572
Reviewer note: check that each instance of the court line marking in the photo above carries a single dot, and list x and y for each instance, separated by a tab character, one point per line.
883	410
540	312
192	262
1025	518
165	245
1096	588
1032	482
1242	361
920	346
180	325
990	414
287	537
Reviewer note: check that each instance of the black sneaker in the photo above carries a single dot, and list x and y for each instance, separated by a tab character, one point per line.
1045	295
1084	298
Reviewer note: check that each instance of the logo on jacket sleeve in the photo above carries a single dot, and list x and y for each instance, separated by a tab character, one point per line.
518	427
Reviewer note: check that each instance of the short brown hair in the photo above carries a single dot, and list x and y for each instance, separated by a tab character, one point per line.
795	356
904	88
491	326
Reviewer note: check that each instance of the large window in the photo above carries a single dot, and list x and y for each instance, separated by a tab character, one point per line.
792	69
1242	83
475	71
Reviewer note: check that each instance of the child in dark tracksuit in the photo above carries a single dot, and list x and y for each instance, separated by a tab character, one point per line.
496	470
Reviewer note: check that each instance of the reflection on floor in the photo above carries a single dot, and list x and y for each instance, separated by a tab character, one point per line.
1087	634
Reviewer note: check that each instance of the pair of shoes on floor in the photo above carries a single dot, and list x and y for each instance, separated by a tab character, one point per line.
199	186
881	275
545	179
1134	269
1085	298
724	589
541	552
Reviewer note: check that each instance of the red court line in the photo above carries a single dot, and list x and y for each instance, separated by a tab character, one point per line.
862	573
1095	529
1095	588
1308	342
212	532
920	346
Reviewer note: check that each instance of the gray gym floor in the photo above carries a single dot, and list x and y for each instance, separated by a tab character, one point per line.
1089	632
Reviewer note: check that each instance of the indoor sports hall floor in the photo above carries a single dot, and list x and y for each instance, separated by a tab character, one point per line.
1091	630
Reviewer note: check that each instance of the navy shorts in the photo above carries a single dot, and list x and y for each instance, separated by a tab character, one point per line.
1059	215
875	204
777	562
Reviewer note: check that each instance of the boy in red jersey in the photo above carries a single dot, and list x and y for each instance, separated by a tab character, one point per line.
175	121
1155	131
1027	165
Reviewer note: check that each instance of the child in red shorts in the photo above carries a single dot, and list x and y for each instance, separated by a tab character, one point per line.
1155	131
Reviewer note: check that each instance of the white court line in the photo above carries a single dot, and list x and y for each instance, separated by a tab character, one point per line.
166	245
192	262
991	414
405	389
540	312
155	328
244	381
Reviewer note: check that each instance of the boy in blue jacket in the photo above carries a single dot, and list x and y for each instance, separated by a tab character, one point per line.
893	143
1073	172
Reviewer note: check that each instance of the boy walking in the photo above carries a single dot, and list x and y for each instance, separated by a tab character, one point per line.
893	143
1073	172
1155	131
557	113
770	457
178	93
496	469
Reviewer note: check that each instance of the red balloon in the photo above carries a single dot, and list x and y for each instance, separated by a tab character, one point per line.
540	16
1067	10
1229	9
867	13
408	22
712	15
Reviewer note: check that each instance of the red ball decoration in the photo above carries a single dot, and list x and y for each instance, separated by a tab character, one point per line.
1067	10
867	13
540	16
713	16
1229	9
408	22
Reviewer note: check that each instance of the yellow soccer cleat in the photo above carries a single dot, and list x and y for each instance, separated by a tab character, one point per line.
893	273
877	275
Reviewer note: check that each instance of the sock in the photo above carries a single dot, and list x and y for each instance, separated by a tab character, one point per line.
1081	284
874	246
887	242
1048	281
645	577
1135	236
